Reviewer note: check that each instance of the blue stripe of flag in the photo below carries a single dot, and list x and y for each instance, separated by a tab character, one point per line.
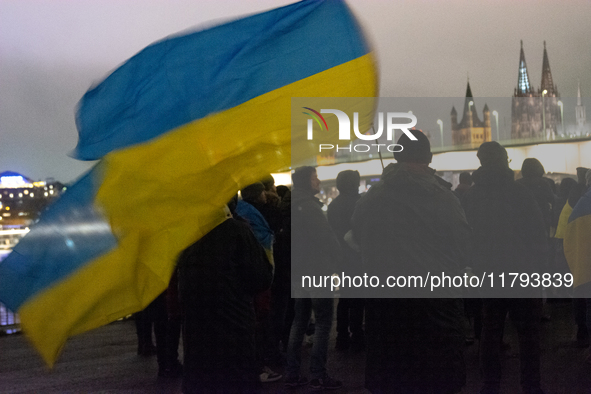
182	79
582	208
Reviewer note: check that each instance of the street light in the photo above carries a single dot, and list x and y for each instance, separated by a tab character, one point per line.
440	123
561	114
496	115
544	114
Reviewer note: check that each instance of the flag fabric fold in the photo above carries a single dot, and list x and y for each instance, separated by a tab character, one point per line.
178	129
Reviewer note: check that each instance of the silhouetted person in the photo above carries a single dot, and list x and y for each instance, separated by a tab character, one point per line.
349	310
282	282
159	315
270	209
532	172
278	209
282	190
251	208
408	224
280	292
171	318
464	185
144	322
315	249
508	236
219	276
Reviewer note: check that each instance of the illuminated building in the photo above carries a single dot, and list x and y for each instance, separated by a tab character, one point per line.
22	200
580	116
470	131
535	114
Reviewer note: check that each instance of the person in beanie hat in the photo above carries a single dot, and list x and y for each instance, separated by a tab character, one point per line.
411	224
492	154
508	236
418	151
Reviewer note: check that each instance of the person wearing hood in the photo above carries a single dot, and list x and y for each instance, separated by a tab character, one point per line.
410	223
349	310
508	236
315	252
532	172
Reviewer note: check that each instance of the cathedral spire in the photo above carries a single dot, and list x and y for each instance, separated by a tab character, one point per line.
547	83
523	86
468	90
580	116
469	109
469	99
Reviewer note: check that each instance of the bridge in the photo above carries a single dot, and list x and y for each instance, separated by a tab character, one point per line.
558	157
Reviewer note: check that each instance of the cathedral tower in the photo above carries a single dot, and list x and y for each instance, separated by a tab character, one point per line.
535	114
581	119
470	131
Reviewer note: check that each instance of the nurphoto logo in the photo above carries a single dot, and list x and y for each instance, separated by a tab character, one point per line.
345	129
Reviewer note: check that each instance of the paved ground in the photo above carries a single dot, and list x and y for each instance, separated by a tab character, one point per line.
105	361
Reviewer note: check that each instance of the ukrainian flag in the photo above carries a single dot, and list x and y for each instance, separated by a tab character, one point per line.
563	221
178	129
577	241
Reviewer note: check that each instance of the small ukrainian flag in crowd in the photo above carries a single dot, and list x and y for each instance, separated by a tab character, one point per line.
577	241
178	129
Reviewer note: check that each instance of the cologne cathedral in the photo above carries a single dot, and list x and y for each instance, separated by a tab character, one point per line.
535	114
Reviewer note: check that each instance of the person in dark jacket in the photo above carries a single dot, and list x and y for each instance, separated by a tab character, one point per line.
219	276
349	310
315	252
250	208
508	236
270	209
408	224
282	278
280	293
281	301
532	172
532	177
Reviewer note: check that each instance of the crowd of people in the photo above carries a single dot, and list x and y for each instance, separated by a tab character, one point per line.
243	316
